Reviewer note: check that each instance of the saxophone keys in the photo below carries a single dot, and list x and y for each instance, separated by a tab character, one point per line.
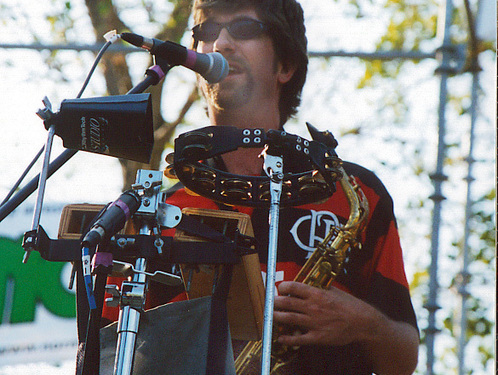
320	274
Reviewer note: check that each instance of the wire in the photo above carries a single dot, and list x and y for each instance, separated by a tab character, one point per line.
87	276
94	66
110	37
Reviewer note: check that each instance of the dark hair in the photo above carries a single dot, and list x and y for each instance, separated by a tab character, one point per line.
285	21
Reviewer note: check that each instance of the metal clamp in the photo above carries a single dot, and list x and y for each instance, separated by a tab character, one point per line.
159	276
133	295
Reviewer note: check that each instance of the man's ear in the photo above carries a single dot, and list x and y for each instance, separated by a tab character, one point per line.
285	72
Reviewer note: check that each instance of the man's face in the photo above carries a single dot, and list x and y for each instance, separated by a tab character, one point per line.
254	78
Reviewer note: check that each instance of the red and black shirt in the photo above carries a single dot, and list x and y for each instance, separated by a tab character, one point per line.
374	274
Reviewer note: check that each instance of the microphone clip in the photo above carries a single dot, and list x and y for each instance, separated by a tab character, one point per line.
152	207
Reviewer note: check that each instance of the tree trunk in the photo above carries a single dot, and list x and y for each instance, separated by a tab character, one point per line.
104	17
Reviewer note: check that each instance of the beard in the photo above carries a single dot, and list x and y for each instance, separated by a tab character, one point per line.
231	93
224	98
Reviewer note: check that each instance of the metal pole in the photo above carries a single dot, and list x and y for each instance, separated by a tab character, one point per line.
71	47
375	55
438	177
274	168
464	276
42	182
129	319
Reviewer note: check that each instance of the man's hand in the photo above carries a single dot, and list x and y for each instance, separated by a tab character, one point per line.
323	317
334	317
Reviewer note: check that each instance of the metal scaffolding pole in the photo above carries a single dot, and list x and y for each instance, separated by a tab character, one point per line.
96	47
464	276
444	70
375	55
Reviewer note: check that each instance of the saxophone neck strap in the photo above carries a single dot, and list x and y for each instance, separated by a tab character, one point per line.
194	147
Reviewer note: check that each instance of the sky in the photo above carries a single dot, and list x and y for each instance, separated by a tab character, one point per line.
97	179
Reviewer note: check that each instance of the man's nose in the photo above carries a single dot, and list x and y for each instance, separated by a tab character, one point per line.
224	42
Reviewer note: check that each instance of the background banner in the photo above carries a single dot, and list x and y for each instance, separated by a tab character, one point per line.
37	310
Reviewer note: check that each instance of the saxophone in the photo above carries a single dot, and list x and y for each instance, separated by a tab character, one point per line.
324	265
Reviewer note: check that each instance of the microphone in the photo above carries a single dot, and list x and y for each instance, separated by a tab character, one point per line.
212	66
113	218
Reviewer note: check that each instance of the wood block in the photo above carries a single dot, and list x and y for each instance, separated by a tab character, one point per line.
75	218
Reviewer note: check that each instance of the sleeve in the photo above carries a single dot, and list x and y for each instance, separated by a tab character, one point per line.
379	270
388	289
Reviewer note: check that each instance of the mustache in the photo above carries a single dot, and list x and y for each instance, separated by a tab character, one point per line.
237	63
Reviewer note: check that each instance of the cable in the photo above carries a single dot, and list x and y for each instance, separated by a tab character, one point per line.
110	37
87	276
94	66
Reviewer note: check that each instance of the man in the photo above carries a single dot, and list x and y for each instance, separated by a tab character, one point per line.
365	322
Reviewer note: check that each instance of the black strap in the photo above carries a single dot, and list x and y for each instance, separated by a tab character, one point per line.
192	226
218	327
89	323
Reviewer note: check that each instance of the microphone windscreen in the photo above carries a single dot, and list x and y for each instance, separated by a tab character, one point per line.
132	38
212	66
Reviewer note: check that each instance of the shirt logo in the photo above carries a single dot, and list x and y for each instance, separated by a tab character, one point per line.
320	224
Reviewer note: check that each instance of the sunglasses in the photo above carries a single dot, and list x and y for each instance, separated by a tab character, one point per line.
242	29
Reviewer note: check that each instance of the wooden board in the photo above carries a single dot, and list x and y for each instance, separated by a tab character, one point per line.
245	302
75	218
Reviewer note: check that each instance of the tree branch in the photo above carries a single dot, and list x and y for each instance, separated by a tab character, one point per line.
104	17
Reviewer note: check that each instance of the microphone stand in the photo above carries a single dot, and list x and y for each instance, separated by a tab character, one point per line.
273	166
132	295
29	242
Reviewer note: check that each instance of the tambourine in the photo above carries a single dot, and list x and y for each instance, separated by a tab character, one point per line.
193	148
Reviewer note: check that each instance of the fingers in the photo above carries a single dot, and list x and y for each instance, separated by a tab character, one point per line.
291	318
289	303
297	339
298	297
311	315
298	307
295	289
